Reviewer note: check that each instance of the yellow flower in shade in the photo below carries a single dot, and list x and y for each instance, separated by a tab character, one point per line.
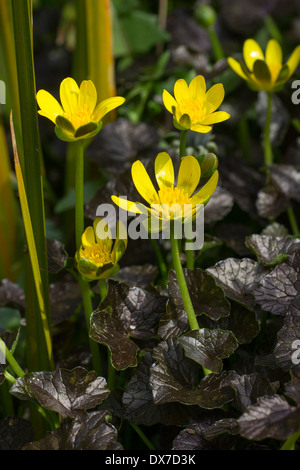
169	202
98	255
193	107
265	71
78	116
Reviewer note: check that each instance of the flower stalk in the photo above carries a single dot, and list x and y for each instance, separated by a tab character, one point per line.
186	299
79	228
11	360
79	192
268	153
88	310
190	262
182	148
48	415
111	372
102	288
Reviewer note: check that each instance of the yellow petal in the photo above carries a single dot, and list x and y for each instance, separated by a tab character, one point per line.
236	67
101	230
293	61
197	88
143	183
169	101
214	98
181	91
207	190
88	237
189	175
213	118
200	128
87	96
252	51
69	93
164	170
273	53
50	107
129	206
106	106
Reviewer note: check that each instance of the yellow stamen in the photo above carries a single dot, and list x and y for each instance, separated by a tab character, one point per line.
171	201
99	253
80	117
194	108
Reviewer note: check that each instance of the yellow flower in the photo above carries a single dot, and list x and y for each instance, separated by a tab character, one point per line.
170	202
265	72
78	116
98	256
193	107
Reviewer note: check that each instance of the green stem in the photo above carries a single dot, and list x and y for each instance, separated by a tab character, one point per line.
103	288
190	262
291	441
79	228
182	284
268	153
79	193
293	221
9	377
142	436
111	372
182	149
161	263
11	360
48	415
88	310
217	48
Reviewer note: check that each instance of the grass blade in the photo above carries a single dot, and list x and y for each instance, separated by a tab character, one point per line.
8	213
30	157
31	244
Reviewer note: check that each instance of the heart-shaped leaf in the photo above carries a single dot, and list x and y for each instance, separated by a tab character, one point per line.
272	250
126	312
172	379
68	392
140	408
238	278
93	432
209	347
207	298
278	291
271	417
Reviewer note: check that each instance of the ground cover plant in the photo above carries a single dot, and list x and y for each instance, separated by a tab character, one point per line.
149	292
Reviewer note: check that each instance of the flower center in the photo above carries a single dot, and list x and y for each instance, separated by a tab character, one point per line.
194	108
80	117
171	202
99	253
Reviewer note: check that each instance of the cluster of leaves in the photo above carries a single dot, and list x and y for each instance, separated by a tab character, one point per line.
244	289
